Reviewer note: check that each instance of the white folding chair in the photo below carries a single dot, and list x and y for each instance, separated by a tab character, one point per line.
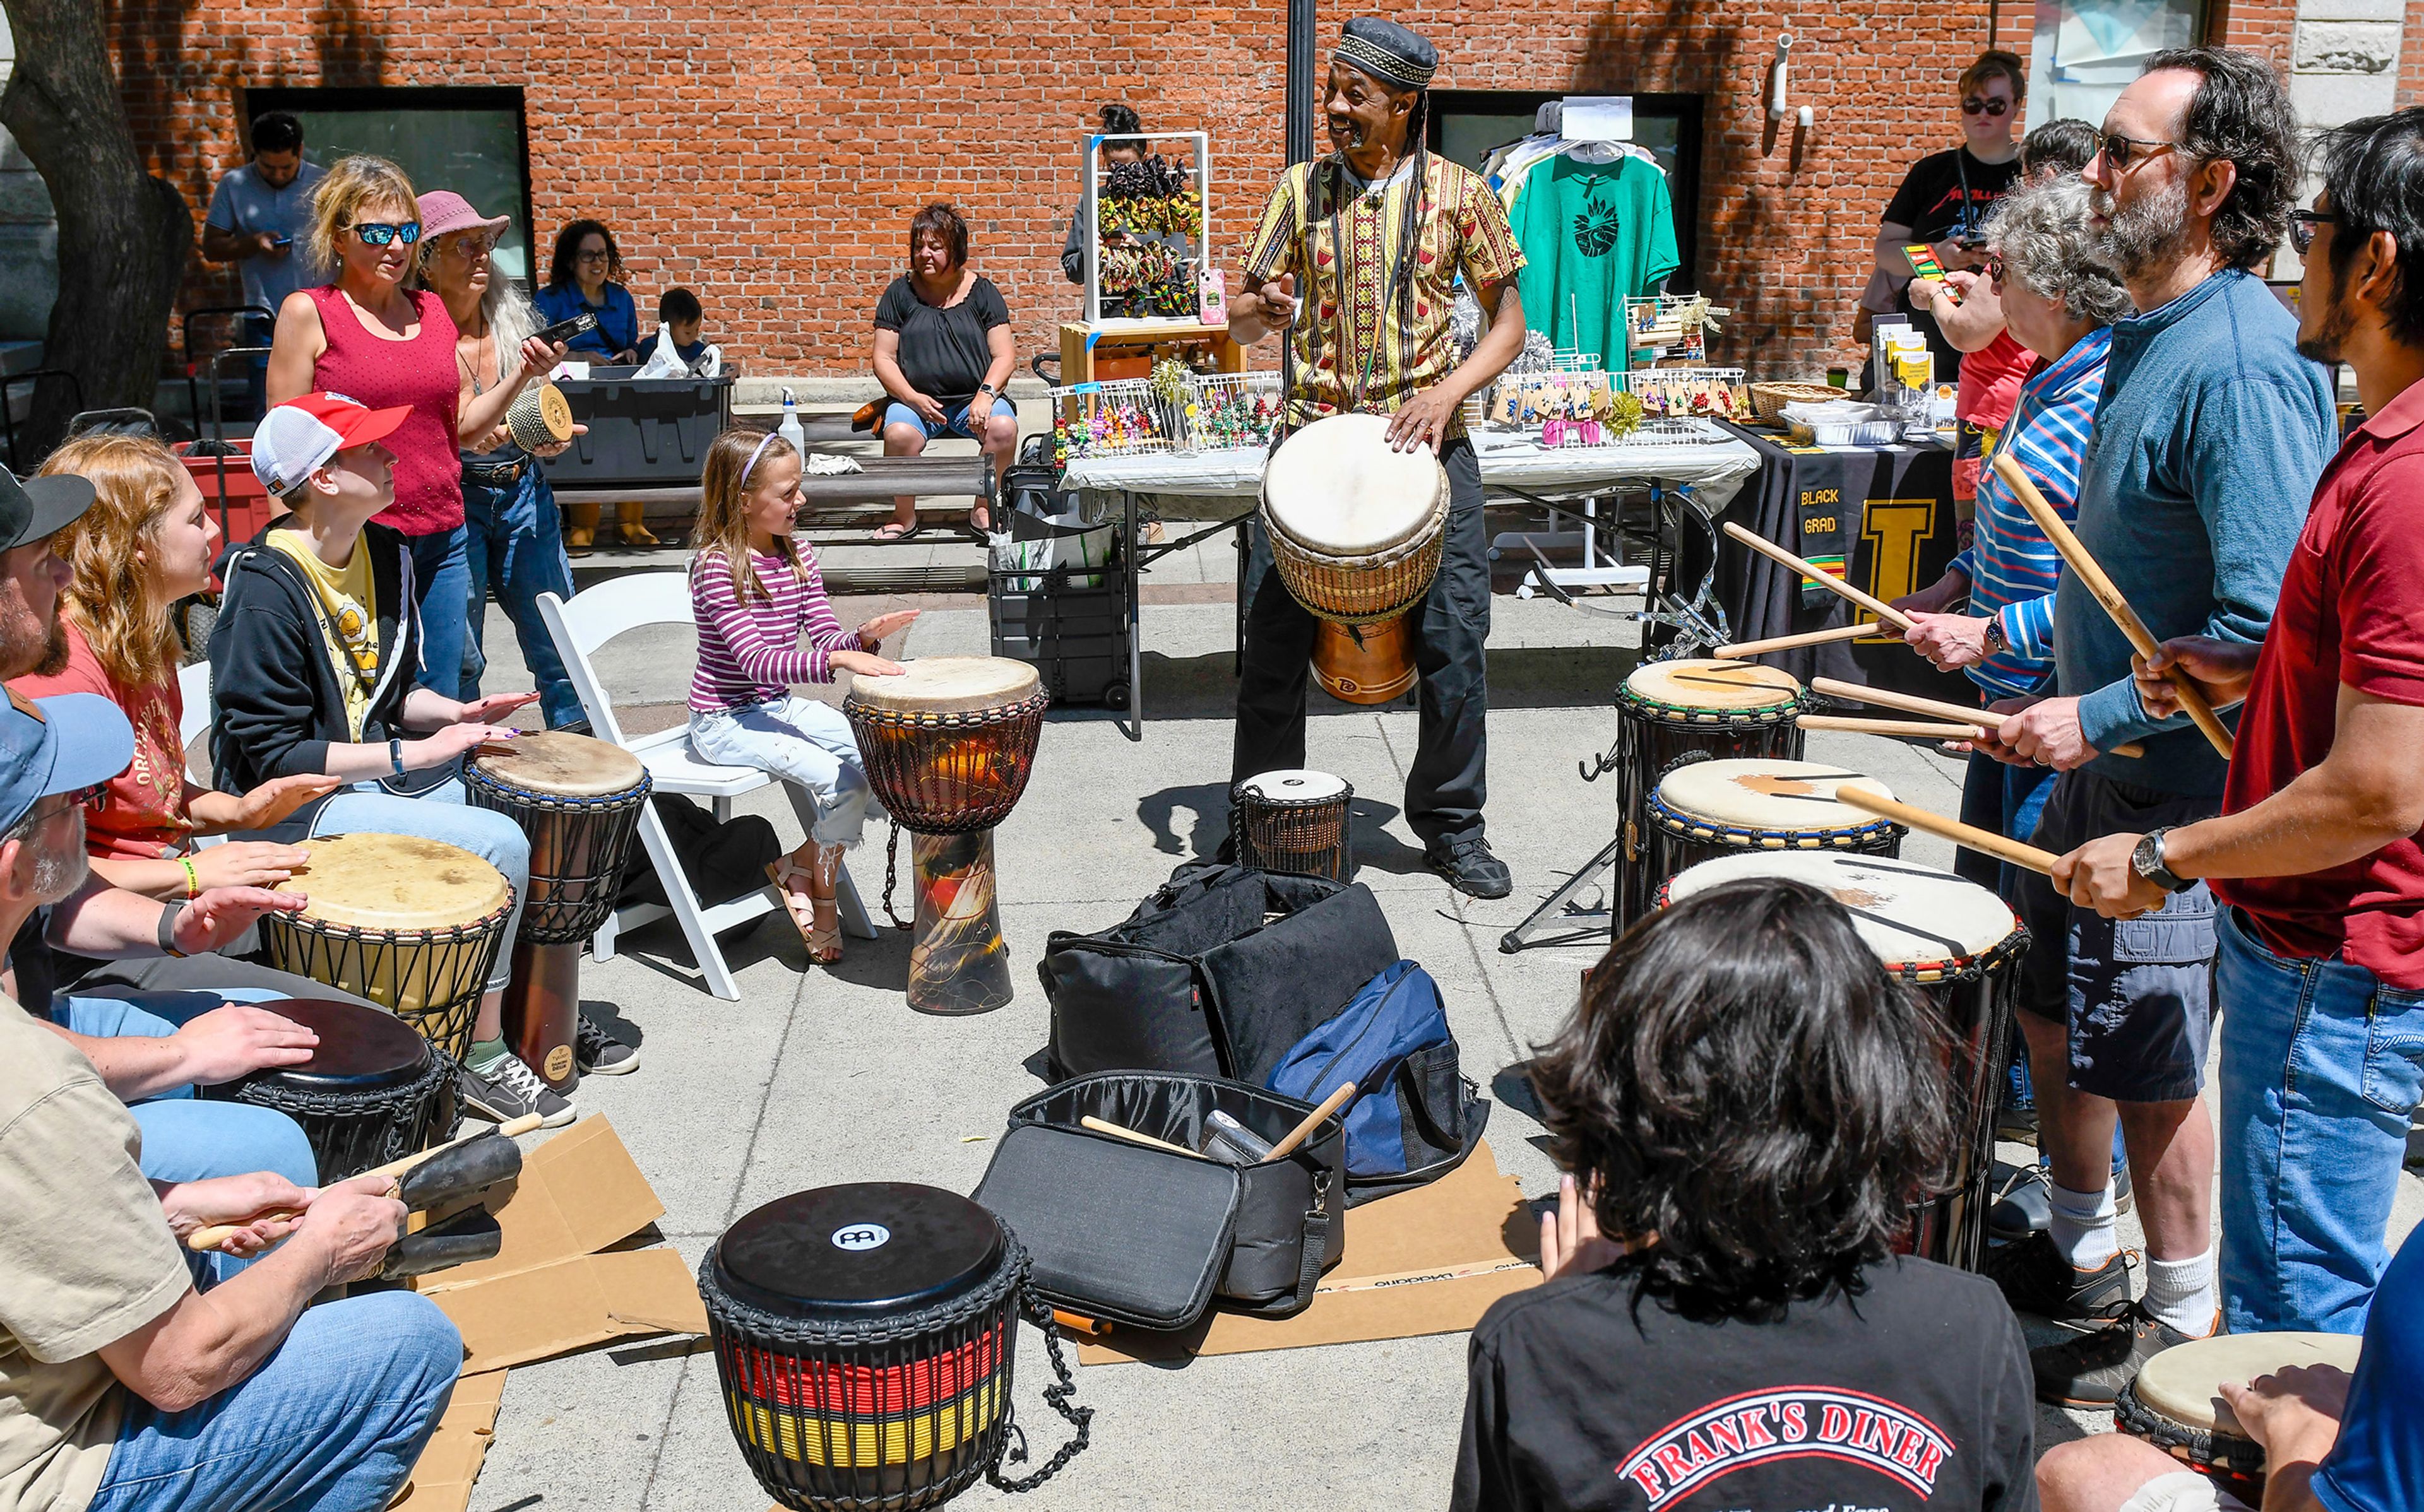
194	685
581	627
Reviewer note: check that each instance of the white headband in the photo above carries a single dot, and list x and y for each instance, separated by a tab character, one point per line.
755	456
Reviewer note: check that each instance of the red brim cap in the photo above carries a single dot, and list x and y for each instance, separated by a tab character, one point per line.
359	428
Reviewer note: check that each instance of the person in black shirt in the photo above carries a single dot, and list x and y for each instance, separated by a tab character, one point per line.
1748	1104
944	355
1944	197
1117	120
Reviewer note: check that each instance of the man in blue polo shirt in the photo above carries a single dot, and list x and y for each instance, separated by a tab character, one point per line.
258	219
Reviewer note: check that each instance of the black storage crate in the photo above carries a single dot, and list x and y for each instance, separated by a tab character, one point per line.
1076	637
651	432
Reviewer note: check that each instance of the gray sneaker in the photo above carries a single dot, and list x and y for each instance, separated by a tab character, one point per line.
511	1091
599	1054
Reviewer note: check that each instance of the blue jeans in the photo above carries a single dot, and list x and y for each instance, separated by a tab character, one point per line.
514	543
331	1421
441	581
955	419
2322	1066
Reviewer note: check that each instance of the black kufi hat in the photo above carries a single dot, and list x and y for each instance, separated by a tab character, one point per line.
1388	52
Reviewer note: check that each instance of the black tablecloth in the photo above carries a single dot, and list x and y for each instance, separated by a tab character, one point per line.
1887	512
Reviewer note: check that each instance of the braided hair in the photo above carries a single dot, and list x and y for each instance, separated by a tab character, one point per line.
1400	291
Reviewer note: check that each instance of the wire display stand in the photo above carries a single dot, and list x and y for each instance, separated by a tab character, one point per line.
1718	394
1233	412
1159	214
1117	417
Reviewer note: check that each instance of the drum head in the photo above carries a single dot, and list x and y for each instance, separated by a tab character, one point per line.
1769	795
1293	785
948	685
865	1248
396	882
563	766
1703	684
1337	487
2181	1382
1911	916
360	1048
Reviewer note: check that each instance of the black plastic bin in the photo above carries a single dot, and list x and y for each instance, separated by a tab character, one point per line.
651	432
1075	636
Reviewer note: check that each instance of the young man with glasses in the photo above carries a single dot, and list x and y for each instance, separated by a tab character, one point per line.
2322	971
2209	437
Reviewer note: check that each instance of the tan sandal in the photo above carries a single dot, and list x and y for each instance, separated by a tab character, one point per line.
823	941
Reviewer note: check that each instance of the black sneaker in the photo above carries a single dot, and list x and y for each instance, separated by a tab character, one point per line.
599	1054
2092	1369
2023	1203
511	1091
2035	1278
1465	861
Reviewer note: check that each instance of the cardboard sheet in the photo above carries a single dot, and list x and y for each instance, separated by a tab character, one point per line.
450	1463
1429	1261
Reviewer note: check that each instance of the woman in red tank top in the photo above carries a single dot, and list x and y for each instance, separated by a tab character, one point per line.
370	336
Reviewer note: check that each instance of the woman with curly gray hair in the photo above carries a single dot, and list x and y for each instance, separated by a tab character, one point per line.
2059	300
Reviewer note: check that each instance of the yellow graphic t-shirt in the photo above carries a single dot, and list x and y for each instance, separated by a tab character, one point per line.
350	624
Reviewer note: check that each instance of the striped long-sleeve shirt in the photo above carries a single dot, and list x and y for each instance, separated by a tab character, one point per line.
2011	567
749	651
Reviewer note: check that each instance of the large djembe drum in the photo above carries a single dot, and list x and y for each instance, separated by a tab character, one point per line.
948	745
1357	529
579	799
2176	1404
1668	711
372	1092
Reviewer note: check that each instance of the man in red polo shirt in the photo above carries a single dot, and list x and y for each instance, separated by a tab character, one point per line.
2319	975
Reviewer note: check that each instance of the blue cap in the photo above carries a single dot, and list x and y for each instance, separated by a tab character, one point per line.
57	745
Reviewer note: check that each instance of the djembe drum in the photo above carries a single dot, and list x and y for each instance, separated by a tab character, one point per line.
411	924
1960	945
1357	529
2173	1403
1702	810
579	799
1292	821
372	1092
865	1337
948	745
1668	710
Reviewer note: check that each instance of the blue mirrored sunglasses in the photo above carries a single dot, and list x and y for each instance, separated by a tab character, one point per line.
380	233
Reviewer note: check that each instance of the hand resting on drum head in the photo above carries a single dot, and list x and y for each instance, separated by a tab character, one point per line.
217	813
236	1041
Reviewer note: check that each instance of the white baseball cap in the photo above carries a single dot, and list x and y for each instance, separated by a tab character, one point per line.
296	438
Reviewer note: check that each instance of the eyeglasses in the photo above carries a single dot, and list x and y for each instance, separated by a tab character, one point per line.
2302	228
590	257
380	233
1996	108
470	249
2120	151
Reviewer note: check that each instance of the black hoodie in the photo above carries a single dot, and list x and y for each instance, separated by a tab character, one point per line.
280	705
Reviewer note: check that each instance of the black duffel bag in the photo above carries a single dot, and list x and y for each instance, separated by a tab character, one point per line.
1216	975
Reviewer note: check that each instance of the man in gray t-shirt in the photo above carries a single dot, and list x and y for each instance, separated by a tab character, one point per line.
261	215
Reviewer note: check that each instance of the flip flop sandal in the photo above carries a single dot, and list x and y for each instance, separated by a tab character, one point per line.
897	531
823	941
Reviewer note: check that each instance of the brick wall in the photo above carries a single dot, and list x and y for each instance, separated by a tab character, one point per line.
768	155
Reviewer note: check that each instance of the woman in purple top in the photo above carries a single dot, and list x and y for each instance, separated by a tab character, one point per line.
754	591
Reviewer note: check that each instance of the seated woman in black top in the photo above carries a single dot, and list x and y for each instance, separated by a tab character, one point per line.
1753	1103
942	344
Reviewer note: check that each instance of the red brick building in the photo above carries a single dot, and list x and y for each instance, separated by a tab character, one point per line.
768	155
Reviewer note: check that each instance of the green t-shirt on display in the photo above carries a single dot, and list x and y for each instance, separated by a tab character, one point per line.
1593	234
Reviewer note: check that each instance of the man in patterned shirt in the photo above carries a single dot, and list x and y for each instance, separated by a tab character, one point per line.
1376	236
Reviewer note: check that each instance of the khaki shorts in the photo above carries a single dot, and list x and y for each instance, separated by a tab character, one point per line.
2183	1491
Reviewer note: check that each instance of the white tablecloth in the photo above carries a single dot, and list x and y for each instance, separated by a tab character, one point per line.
1715	471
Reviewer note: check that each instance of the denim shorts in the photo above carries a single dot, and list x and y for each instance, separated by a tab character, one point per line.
955	418
2136	993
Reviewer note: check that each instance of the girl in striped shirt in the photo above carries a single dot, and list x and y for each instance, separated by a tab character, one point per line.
754	591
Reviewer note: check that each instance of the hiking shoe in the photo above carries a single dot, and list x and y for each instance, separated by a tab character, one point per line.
511	1091
1465	861
597	1053
2023	1203
2035	1278
2092	1369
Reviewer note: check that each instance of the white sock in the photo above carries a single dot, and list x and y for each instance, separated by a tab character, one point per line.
2082	1223
2181	1293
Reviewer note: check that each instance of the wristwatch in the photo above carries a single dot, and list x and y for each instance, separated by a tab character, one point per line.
1996	645
2147	862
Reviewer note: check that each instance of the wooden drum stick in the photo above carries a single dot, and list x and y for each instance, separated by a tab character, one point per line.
1768	549
1793	643
2017	479
1987	842
1311	1121
1905	728
1913	704
1121	1131
210	1238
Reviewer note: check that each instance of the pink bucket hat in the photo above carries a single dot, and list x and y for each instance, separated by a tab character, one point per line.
443	211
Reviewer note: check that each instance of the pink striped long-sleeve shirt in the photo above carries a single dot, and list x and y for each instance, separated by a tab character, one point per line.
750	652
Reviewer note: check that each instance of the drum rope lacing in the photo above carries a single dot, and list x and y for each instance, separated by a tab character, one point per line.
352	1103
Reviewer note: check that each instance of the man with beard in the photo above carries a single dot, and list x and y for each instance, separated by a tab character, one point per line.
2211	432
2320	980
1356	259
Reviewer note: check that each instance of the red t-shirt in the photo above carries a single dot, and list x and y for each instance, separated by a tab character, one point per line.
2352	610
1990	382
140	816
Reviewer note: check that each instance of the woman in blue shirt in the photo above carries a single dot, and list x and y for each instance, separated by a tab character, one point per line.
586	274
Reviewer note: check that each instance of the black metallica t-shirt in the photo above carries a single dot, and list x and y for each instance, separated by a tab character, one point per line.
1913	1396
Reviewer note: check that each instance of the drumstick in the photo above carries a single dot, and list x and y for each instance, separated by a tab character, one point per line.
1793	643
2200	712
1119	1131
1768	549
1095	1327
1311	1121
1987	842
1913	704
1907	728
216	1234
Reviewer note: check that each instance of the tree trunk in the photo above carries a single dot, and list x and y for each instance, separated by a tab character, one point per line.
123	234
